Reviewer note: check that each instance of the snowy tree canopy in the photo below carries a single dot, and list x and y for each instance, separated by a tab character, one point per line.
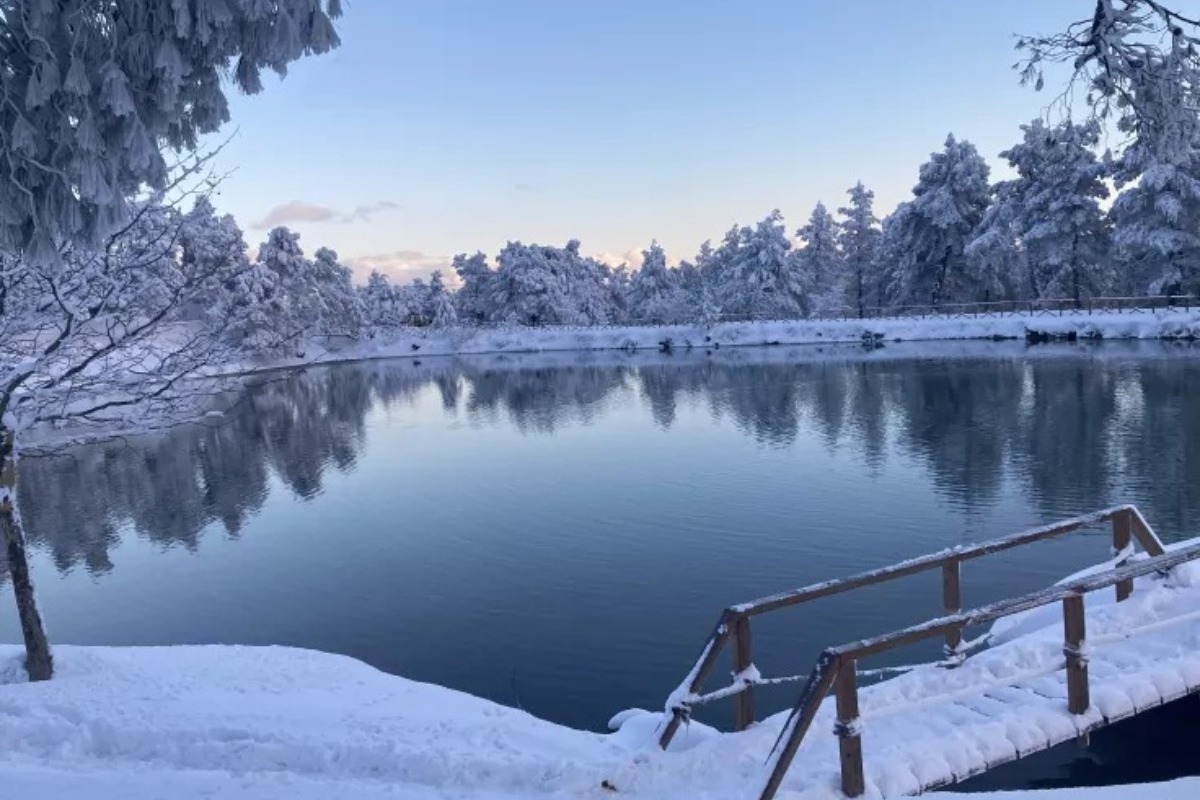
93	91
1119	54
755	272
1057	215
439	305
1158	220
475	287
539	285
821	262
996	264
859	240
926	237
655	291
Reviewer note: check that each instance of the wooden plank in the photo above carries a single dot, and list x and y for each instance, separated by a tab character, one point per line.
1146	537
849	739
819	683
1074	641
742	660
952	603
1122	538
924	563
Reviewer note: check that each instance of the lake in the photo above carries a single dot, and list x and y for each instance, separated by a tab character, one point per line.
559	532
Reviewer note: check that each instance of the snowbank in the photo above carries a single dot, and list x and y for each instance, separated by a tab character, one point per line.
419	342
244	723
255	723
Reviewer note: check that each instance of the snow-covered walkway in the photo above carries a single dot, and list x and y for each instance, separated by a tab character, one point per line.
258	723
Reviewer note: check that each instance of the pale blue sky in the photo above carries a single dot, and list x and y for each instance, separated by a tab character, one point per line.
468	123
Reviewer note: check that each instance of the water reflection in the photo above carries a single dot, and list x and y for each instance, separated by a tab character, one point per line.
1074	427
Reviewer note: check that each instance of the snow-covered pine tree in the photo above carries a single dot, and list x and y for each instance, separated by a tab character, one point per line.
1057	217
132	79
996	264
474	291
1158	218
926	236
617	281
859	240
541	287
378	298
654	290
439	304
756	274
821	263
339	305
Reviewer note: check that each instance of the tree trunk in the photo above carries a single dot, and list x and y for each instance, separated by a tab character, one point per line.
38	661
1076	278
861	294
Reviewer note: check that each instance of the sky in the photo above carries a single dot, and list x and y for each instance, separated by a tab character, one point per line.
446	127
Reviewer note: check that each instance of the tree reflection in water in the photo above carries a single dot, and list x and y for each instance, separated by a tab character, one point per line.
1111	424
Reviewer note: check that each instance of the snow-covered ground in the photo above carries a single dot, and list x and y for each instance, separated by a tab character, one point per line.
257	723
421	342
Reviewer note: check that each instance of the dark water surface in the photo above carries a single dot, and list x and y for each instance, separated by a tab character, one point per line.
561	532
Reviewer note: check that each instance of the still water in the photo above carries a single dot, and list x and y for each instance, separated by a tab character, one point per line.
559	533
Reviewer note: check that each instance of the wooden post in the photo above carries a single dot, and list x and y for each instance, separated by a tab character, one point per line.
1122	525
952	603
743	702
802	716
1075	640
704	667
848	730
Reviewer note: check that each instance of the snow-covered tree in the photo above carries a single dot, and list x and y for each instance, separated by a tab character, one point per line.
281	303
926	237
618	280
114	336
655	294
1158	217
475	288
379	303
1134	58
92	92
339	306
1056	212
439	303
996	262
539	285
822	264
859	240
755	274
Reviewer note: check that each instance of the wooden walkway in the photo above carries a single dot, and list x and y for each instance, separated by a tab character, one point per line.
1058	663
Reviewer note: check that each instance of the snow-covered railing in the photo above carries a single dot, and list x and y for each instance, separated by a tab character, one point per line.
837	667
734	623
733	627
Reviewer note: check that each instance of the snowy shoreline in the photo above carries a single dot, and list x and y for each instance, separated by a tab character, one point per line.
415	343
261	723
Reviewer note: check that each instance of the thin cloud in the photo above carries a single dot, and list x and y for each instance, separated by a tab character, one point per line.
364	213
295	211
299	211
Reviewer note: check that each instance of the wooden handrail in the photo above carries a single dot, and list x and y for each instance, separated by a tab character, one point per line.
733	624
842	660
1146	538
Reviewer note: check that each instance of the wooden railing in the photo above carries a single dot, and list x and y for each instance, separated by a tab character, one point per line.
837	666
